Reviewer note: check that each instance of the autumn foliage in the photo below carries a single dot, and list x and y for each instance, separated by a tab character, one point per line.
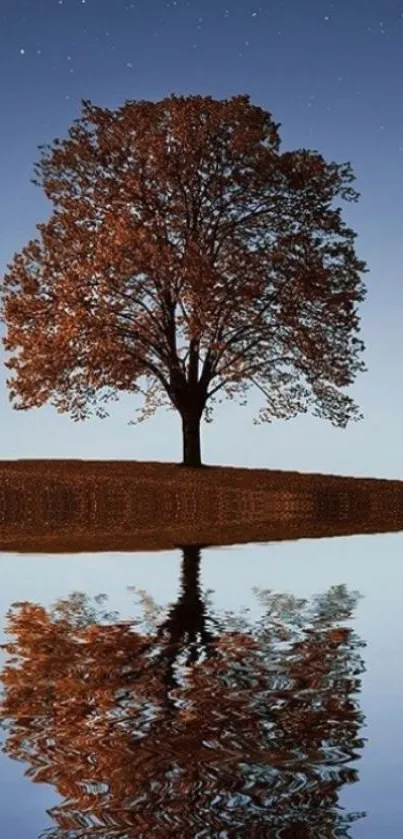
257	732
186	258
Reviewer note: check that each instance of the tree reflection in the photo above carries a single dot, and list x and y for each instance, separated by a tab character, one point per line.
188	724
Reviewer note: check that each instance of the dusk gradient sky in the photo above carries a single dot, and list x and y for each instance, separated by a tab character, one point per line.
331	73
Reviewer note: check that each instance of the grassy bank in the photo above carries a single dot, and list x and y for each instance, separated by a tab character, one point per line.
174	474
77	505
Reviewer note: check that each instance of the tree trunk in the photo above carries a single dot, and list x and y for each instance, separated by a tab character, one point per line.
191	439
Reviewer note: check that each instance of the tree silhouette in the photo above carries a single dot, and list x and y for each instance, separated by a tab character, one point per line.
257	735
186	257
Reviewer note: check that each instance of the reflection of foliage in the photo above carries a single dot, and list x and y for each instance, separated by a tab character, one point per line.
256	734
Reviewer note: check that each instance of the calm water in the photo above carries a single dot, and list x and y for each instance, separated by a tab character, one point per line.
248	691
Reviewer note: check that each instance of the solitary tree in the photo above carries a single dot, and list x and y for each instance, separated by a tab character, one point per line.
186	255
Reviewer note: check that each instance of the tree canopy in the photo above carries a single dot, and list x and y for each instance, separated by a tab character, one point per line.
186	258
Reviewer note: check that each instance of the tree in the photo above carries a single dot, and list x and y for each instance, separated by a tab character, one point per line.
186	257
257	736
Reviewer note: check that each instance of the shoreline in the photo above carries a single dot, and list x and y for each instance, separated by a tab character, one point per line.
66	506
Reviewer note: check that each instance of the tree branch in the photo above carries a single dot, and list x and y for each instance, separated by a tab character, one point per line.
193	366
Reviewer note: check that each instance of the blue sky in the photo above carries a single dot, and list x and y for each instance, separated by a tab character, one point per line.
331	74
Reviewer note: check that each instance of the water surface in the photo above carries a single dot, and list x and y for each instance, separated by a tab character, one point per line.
251	690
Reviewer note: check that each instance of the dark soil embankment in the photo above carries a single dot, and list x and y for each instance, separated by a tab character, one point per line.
83	505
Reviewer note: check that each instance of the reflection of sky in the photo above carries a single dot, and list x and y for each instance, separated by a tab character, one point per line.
370	564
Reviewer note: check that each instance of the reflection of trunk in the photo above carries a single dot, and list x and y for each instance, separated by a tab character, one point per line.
186	618
190	603
191	438
185	630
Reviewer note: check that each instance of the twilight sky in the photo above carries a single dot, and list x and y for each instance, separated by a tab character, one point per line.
331	73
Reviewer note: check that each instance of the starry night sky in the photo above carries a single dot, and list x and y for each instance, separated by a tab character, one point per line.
331	73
